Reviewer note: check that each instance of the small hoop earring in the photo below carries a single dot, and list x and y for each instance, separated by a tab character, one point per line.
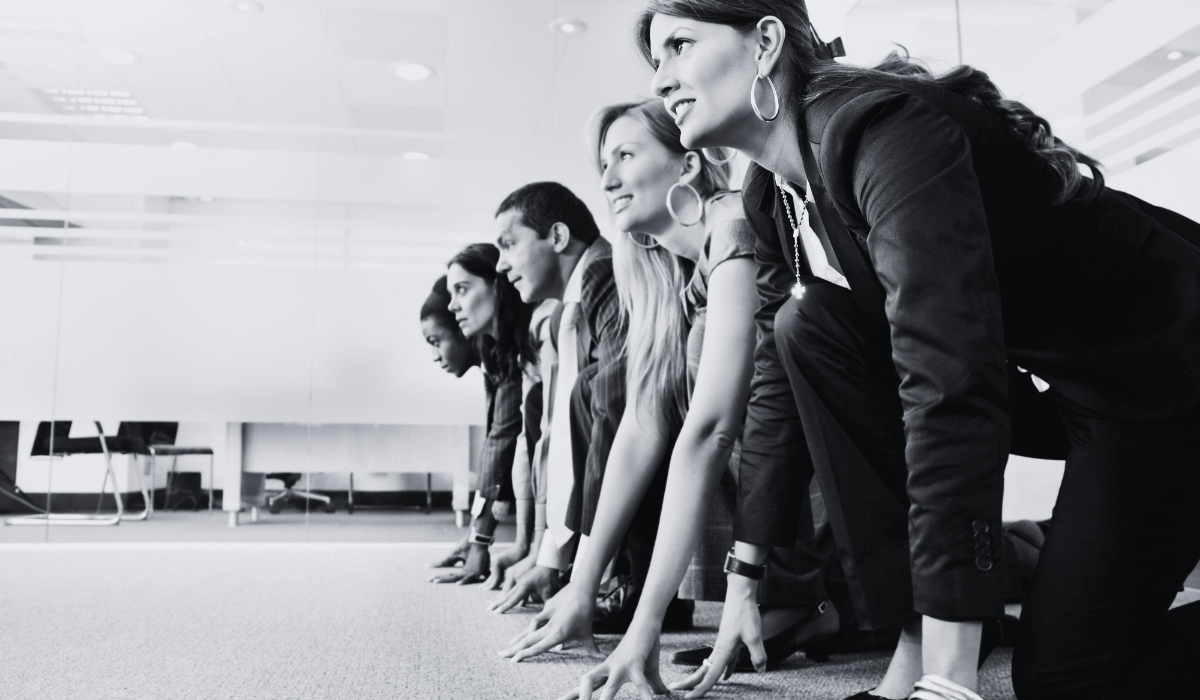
639	244
754	101
714	161
699	204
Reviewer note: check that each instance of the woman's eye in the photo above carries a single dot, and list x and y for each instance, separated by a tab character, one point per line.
678	45
626	155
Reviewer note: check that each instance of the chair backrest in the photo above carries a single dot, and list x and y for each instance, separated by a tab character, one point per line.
41	440
150	433
147	433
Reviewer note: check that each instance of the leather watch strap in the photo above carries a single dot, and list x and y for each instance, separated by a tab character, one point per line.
733	565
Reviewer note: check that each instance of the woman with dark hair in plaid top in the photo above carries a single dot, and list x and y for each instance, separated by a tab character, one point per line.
490	313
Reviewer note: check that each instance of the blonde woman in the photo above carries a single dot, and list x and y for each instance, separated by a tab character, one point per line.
686	278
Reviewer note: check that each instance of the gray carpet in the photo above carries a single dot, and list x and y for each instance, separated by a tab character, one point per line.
267	621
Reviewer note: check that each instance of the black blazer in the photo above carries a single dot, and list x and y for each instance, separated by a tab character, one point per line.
943	226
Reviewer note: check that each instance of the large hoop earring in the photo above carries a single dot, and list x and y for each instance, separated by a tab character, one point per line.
714	161
754	101
639	244
699	204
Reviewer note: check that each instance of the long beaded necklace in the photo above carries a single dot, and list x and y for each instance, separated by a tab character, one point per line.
798	290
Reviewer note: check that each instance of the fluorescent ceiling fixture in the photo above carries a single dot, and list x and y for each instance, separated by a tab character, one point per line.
408	70
250	7
184	146
116	55
1174	55
568	26
416	155
97	103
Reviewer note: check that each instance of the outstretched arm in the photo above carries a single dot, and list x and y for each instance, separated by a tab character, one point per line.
714	423
637	451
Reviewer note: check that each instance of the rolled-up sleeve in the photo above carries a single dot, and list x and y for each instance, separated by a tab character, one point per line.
912	184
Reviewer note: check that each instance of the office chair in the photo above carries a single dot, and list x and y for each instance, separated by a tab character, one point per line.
53	441
276	500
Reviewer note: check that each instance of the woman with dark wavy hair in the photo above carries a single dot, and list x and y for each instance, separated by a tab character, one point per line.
975	254
490	313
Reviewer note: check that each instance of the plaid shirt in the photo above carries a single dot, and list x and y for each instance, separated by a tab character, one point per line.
504	423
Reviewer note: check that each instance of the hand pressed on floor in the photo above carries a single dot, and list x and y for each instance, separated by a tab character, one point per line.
473	571
567	617
541	581
740	625
635	660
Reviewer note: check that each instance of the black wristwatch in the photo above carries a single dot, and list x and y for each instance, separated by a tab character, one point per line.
733	565
477	538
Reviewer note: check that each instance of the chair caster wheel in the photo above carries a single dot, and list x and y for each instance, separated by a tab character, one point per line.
276	508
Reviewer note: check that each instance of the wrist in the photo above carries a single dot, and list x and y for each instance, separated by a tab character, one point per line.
740	588
479	539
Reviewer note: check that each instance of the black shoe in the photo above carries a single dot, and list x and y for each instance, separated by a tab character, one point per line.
778	648
614	611
866	695
997	633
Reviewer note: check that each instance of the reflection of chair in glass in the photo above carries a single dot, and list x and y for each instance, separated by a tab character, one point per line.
175	452
53	442
276	501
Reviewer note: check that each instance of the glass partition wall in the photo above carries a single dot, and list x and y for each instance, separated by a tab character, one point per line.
218	222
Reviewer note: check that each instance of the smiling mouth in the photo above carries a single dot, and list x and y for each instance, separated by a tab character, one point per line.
681	109
621	202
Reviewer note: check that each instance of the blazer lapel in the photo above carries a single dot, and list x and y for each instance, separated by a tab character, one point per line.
855	263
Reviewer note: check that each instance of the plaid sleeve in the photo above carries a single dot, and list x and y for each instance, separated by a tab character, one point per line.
500	446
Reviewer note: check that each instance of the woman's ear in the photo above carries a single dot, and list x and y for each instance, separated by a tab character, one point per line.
692	165
769	36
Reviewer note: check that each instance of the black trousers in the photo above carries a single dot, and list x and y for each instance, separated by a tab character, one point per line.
1124	536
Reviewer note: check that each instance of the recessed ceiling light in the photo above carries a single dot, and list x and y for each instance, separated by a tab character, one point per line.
568	26
416	155
1174	55
409	70
184	146
119	104
250	7
116	55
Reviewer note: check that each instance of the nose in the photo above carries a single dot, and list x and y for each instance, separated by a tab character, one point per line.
663	83
609	180
454	306
502	265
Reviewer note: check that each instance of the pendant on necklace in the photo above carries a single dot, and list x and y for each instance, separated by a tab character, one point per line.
798	291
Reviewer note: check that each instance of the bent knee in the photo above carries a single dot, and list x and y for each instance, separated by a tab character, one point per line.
1034	678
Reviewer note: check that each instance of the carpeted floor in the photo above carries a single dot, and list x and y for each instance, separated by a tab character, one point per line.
331	621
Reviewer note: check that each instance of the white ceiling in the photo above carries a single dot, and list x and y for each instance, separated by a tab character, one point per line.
298	117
